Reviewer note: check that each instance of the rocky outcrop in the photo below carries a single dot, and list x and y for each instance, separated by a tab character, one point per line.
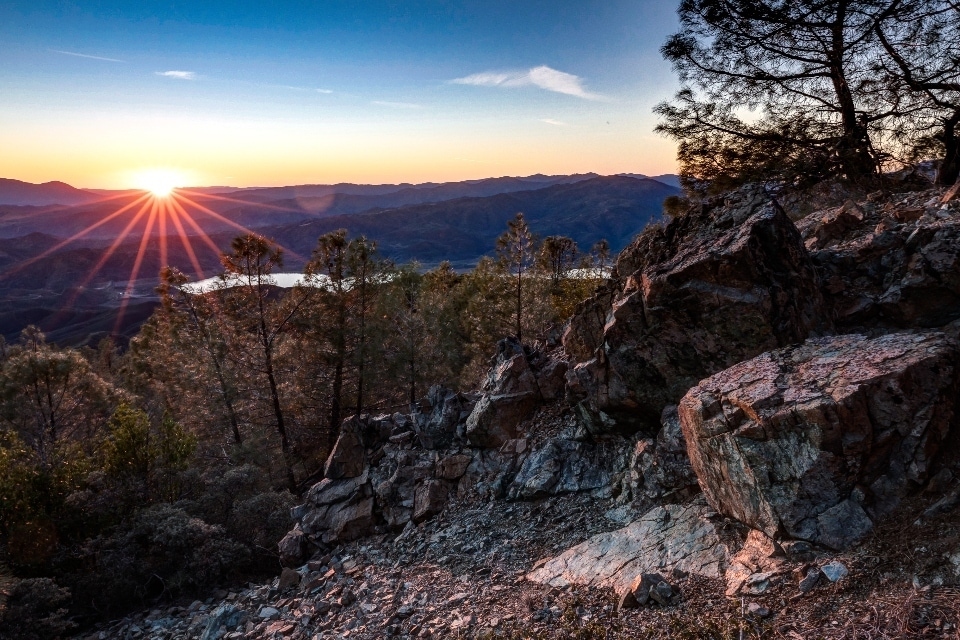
817	441
437	416
518	381
673	538
890	266
337	510
716	286
814	442
562	465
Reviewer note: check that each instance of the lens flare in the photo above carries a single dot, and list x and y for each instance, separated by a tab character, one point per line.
159	182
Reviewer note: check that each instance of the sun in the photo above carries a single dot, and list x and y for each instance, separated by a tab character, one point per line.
159	182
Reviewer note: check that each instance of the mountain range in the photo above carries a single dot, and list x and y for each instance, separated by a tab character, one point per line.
87	272
18	192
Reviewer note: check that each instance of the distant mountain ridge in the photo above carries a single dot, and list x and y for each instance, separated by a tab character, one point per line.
614	208
18	192
408	192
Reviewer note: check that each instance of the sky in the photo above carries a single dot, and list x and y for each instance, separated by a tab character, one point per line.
101	94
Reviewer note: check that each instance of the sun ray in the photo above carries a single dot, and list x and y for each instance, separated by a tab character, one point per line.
103	258
263	205
178	196
185	241
76	236
163	232
196	227
126	194
138	261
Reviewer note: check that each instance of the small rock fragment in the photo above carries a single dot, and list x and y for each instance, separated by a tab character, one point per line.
810	581
834	571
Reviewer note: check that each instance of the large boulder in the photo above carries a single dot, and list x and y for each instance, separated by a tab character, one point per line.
817	441
430	499
724	282
510	394
292	548
338	510
684	538
891	267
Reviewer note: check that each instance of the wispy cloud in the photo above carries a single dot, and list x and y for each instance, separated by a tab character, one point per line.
84	55
178	75
543	77
397	105
324	91
556	123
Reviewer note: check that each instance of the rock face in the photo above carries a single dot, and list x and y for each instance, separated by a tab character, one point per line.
346	460
584	334
660	469
338	510
568	466
712	288
681	537
894	266
510	394
438	415
817	441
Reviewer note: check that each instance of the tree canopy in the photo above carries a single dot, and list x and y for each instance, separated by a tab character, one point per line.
812	89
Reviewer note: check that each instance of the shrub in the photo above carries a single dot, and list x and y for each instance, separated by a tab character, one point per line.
36	610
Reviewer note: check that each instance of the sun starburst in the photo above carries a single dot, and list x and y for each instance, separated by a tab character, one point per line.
163	208
159	182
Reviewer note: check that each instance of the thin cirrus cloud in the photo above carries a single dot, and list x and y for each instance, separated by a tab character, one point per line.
543	77
178	75
85	55
556	123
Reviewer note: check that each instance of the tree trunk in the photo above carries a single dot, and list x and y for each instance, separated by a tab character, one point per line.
275	397
335	409
281	425
228	403
950	166
519	298
361	338
853	147
413	380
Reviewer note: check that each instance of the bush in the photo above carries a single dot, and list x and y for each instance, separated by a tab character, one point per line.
164	552
36	610
261	521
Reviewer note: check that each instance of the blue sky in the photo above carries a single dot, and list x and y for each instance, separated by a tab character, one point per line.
259	93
